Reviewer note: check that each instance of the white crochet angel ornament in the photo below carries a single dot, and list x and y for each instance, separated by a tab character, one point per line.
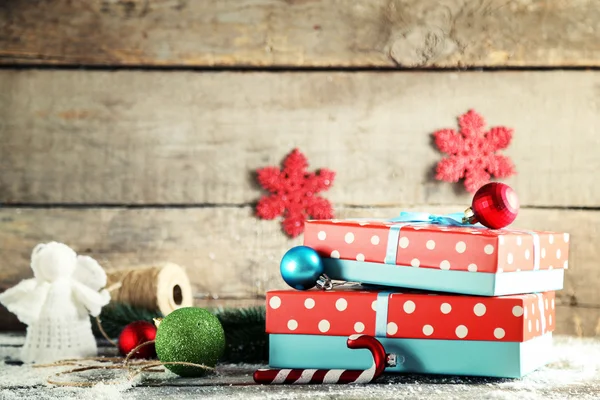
55	304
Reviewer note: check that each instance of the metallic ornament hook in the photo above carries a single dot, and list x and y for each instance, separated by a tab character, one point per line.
324	282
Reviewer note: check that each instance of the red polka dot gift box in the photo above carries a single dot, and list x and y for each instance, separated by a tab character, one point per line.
516	318
505	336
458	259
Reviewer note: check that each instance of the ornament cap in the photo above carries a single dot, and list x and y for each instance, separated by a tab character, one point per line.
469	217
391	360
157	322
324	282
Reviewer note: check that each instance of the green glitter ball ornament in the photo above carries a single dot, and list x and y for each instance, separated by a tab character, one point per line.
191	335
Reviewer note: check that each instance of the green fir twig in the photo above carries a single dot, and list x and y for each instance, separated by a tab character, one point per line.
246	340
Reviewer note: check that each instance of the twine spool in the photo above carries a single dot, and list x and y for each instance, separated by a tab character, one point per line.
165	287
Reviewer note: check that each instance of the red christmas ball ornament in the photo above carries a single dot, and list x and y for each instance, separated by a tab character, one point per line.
495	205
133	335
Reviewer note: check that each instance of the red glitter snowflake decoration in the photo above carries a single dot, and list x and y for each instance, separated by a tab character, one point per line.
473	152
293	193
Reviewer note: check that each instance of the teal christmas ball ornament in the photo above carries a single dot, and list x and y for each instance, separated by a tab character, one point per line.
301	267
192	335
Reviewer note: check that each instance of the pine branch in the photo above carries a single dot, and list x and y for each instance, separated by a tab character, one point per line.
246	340
116	316
244	334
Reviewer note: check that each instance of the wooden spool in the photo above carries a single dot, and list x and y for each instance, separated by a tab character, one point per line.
165	287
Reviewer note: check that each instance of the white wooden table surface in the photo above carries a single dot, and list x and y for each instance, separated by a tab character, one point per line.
574	373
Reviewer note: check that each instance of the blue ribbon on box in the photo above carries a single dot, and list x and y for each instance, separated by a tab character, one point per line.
455	219
536	248
410	218
381	313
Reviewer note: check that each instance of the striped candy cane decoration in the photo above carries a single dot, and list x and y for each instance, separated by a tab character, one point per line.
306	376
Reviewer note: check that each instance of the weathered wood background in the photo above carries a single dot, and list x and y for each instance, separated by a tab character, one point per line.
131	129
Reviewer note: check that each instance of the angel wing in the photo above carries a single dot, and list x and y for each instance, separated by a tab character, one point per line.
26	299
90	273
91	299
88	279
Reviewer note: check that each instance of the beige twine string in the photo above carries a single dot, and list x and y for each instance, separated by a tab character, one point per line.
103	332
135	286
123	364
165	287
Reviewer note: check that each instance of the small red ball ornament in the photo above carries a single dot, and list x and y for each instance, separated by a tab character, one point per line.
133	335
495	205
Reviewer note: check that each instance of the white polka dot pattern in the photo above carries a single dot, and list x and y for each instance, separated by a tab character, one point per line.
409	307
462	247
479	309
445	264
499	333
445	308
427	330
415	262
349	238
324	325
517	311
360	257
392	328
403	242
359	327
461	331
341	304
411	315
309	303
275	302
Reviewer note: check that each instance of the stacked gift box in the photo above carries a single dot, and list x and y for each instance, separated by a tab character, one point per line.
443	298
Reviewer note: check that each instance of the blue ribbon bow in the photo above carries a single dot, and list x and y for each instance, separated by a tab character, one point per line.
454	219
407	218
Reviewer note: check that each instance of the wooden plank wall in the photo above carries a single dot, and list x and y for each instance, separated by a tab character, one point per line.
131	129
